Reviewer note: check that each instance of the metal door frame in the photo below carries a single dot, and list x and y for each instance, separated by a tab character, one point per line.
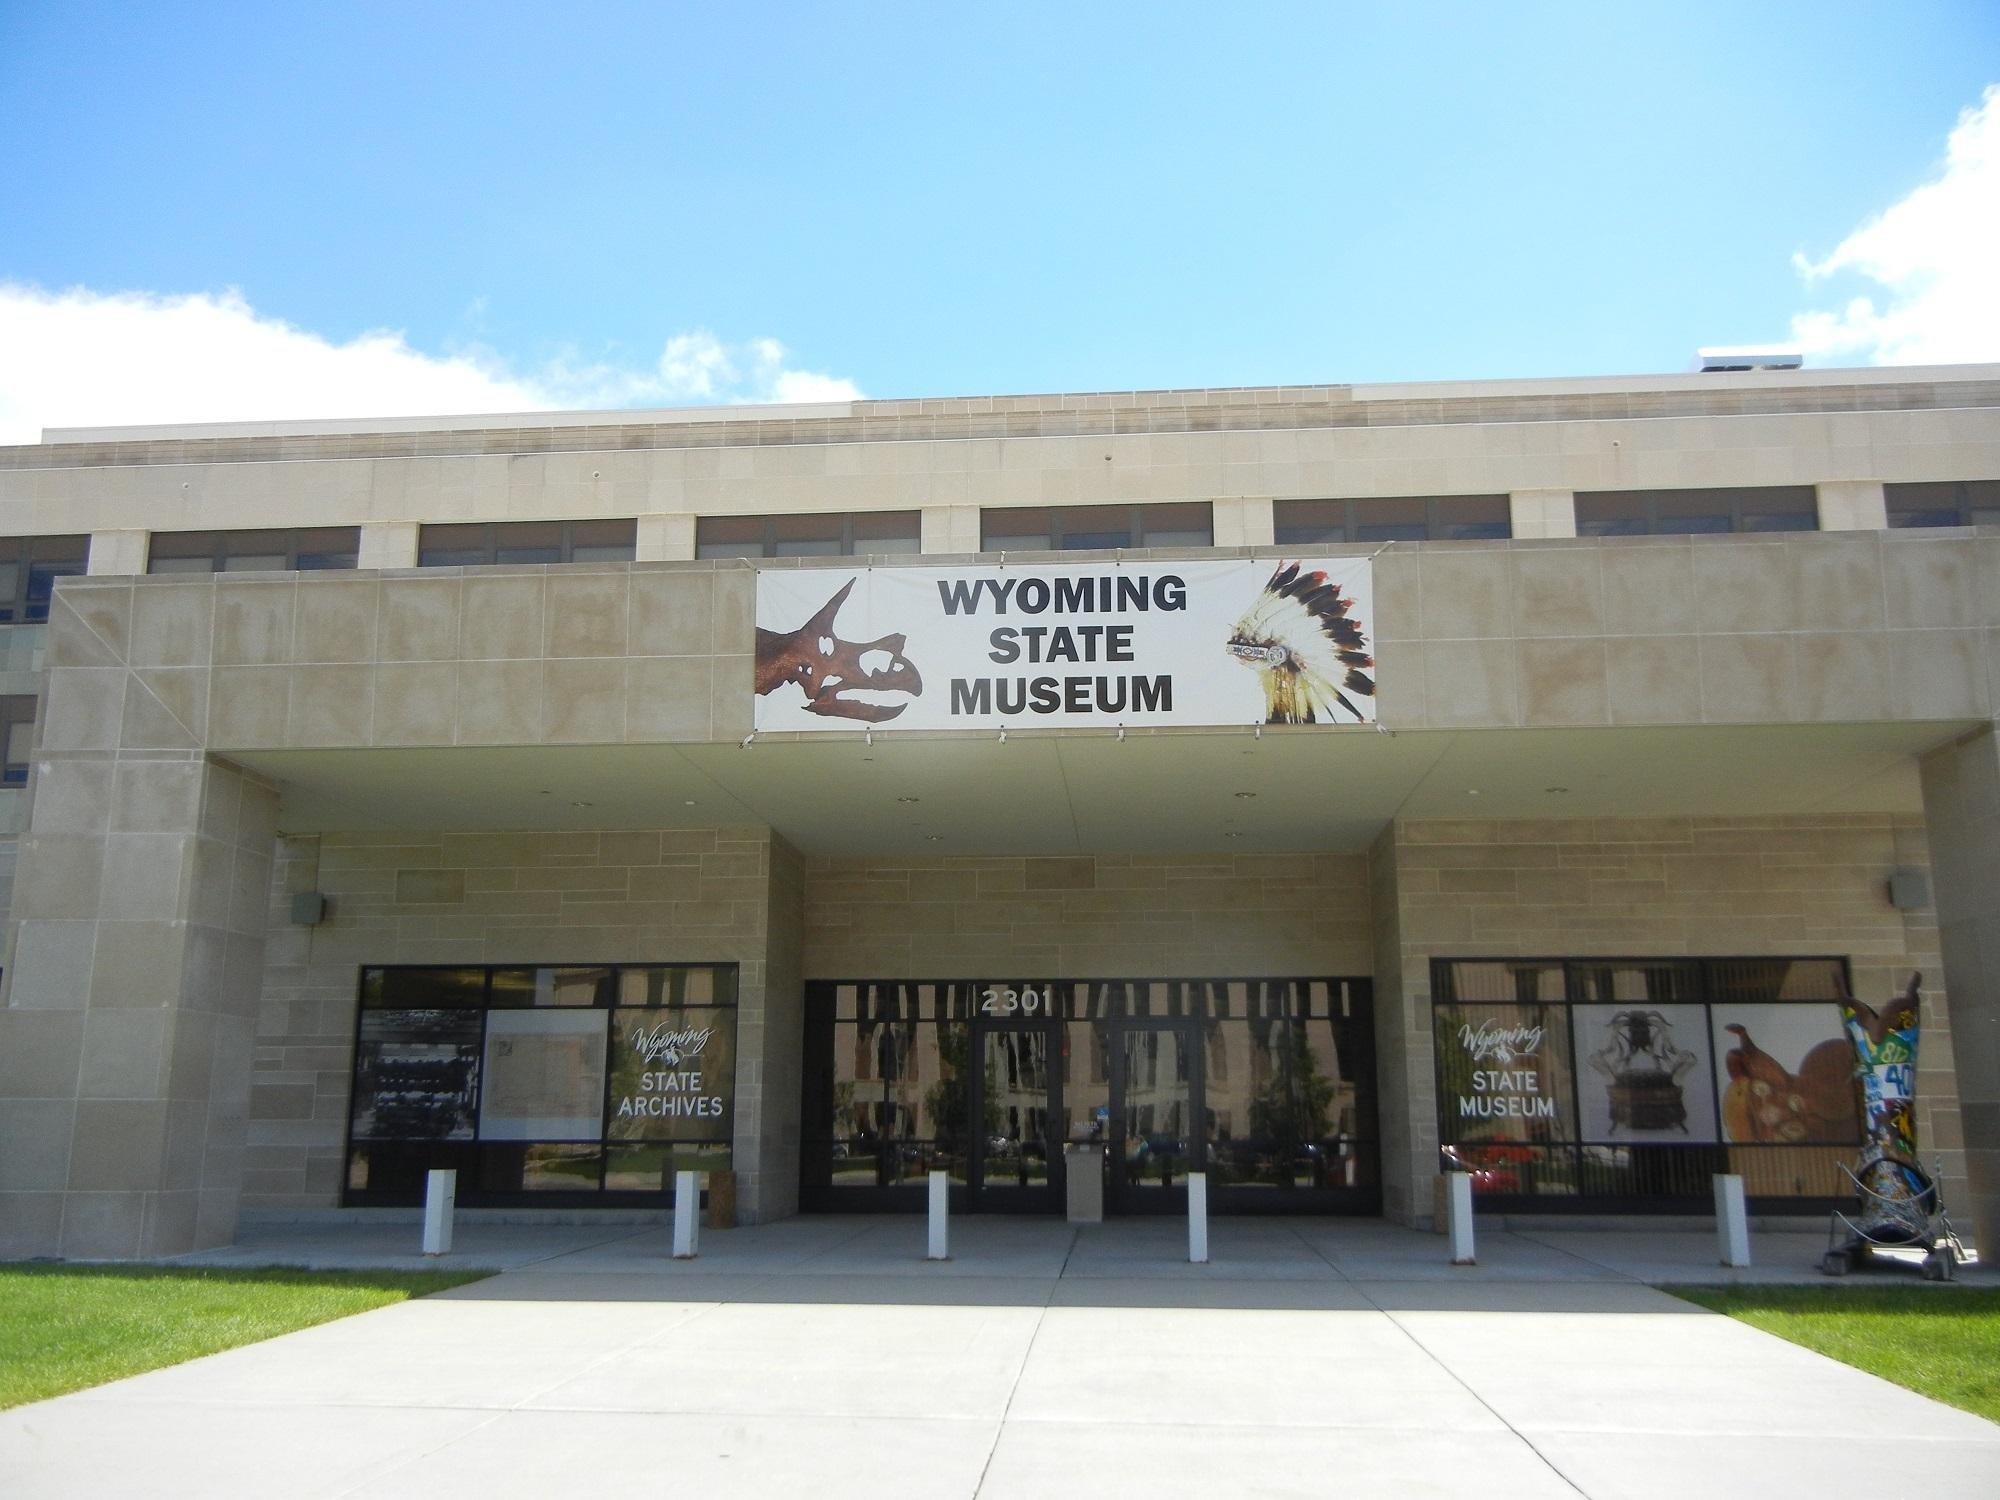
1006	1197
1120	1196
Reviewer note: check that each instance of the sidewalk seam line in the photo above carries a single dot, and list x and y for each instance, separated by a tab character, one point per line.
1028	1353
1526	1441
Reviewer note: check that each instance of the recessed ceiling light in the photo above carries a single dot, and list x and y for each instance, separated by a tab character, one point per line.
934	838
1232	835
907	799
1555	791
579	804
1244	796
688	803
1472	791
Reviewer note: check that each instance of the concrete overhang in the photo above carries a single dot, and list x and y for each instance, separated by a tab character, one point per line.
1188	792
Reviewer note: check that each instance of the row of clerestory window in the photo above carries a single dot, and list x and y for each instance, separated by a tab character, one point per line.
29	566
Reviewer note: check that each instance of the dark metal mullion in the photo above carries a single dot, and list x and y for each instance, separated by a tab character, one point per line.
1440	971
479	1090
353	1072
1114	1120
1191	1030
1714	1092
604	1106
1575	1082
975	1106
1570	990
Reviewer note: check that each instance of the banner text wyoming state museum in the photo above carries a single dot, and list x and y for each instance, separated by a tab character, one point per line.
1093	644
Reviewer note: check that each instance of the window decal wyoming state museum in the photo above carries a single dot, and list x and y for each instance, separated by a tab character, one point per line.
1066	646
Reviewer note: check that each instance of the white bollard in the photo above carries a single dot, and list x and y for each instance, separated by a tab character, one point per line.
1197	1184
940	1213
687	1215
440	1200
1732	1220
1458	1198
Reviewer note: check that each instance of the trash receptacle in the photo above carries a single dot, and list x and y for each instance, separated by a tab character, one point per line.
721	1200
1083	1169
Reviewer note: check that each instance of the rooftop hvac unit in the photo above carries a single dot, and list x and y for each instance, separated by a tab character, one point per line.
1747	357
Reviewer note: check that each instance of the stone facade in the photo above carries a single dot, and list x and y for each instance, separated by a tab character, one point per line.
125	1044
1962	810
1535	438
727	895
157	1067
1106	916
1644	887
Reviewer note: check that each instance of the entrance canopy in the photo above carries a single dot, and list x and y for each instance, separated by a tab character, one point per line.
1055	793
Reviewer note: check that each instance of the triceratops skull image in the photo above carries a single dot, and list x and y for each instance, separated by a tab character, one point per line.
868	680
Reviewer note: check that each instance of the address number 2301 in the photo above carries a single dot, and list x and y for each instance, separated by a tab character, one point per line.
1010	1002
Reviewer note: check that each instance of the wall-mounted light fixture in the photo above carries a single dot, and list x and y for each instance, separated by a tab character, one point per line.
1909	890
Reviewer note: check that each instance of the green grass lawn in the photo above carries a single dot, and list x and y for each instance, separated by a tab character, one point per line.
66	1327
1941	1341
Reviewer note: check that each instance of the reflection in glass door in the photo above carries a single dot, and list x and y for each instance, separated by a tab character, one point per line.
1017	1107
1156	1100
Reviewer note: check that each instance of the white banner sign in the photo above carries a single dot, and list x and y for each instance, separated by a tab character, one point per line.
1089	644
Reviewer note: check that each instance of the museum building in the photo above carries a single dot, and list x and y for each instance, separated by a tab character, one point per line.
1321	788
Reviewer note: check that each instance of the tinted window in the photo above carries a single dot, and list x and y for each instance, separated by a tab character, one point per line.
1631	1081
478	544
1961	502
1096	528
309	549
1695	512
541	1083
813	534
29	568
17	737
1415	518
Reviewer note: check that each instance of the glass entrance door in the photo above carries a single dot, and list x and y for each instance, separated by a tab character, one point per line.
1016	1113
1156	1112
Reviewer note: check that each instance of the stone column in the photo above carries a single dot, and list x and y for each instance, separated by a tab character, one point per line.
664	537
773	1048
389	544
127	1034
1962	808
1852	505
1539	514
948	528
1244	521
118	552
1406	1104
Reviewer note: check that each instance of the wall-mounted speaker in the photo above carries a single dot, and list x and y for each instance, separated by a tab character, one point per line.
308	908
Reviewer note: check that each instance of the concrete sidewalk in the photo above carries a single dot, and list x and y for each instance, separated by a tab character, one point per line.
824	1357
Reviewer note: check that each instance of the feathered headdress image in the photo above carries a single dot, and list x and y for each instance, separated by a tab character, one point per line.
1298	638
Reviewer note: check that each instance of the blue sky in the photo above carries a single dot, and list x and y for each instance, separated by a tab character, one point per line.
615	203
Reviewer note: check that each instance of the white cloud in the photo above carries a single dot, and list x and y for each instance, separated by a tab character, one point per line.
82	358
1931	256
